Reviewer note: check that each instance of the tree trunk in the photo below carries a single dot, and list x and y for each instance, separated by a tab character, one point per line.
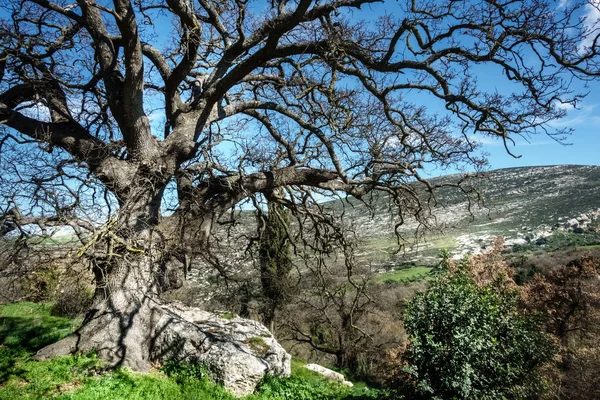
119	325
128	325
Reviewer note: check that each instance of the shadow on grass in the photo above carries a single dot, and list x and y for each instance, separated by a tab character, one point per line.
24	329
29	326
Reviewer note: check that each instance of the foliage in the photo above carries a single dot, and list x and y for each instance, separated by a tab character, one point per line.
405	275
560	240
42	283
258	345
471	342
227	315
73	300
569	299
78	378
275	259
335	313
183	371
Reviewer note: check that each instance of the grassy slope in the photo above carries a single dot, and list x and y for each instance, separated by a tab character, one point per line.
26	327
404	275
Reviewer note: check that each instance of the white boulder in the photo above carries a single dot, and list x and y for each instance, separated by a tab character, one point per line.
329	374
237	352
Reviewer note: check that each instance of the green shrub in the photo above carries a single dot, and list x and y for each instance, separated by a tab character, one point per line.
471	342
303	387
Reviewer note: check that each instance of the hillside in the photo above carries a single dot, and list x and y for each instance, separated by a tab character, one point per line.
520	204
526	205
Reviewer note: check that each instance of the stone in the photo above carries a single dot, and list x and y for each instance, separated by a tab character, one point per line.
237	352
329	374
326	372
573	223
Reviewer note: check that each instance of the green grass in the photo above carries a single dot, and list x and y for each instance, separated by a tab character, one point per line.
443	242
29	326
405	275
591	246
26	327
55	240
228	315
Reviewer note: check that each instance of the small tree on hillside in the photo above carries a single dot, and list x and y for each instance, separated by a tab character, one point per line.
275	259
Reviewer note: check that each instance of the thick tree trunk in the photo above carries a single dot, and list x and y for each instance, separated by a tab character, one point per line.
119	324
118	327
128	325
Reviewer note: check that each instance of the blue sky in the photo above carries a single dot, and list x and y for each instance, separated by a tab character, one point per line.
582	147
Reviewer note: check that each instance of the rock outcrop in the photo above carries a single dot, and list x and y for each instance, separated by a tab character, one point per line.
237	352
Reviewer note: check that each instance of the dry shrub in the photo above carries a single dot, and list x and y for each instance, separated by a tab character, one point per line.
72	300
546	262
73	290
568	298
52	275
565	294
357	329
487	268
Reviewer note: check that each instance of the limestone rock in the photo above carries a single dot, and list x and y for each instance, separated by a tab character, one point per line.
573	223
329	374
237	352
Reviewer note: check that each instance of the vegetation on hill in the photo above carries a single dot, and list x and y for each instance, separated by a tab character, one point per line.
472	342
353	315
502	359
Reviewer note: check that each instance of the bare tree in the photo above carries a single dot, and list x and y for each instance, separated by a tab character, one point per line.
313	97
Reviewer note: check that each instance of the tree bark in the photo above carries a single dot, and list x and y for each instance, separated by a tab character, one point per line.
119	325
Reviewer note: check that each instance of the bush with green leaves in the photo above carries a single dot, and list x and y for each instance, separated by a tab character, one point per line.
472	342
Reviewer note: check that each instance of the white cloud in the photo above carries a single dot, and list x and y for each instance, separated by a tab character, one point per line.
585	115
520	141
563	106
578	120
591	17
156	119
35	110
487	140
562	3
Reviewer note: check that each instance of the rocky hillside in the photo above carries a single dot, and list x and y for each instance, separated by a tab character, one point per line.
521	204
524	205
